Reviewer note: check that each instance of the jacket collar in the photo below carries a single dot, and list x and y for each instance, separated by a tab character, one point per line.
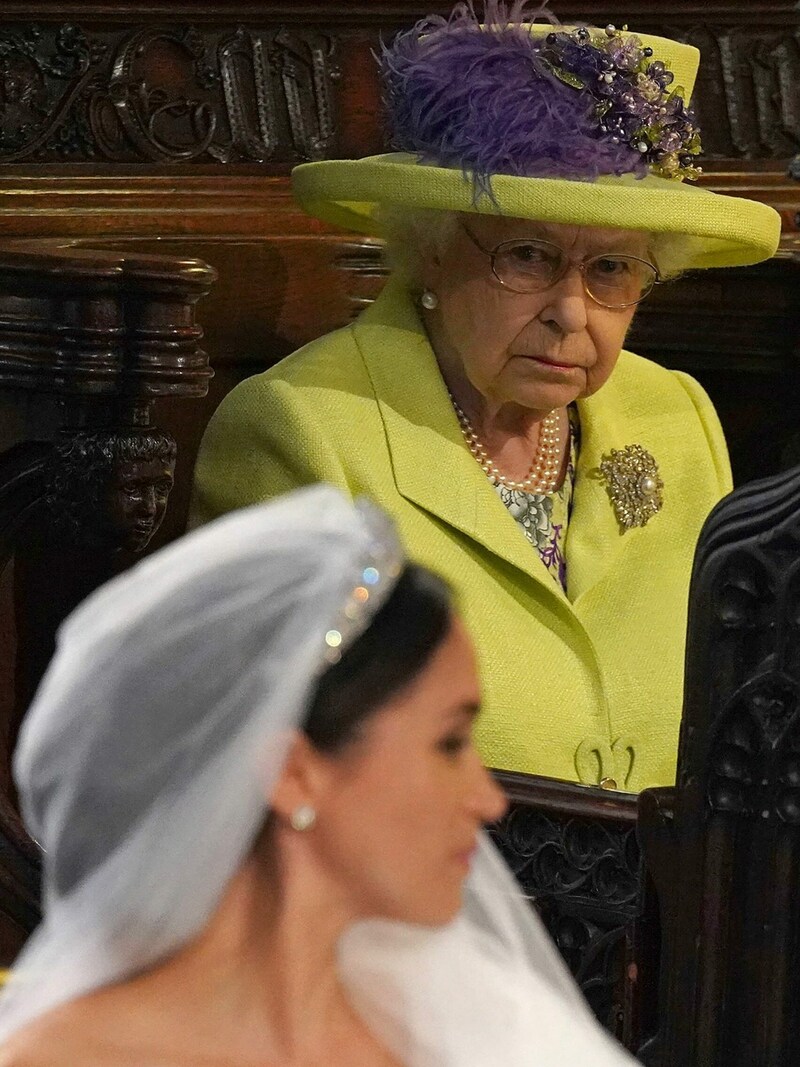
434	470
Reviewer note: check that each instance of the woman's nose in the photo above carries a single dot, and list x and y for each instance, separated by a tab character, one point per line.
489	800
566	307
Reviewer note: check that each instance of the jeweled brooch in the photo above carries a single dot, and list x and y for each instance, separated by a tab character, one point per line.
634	485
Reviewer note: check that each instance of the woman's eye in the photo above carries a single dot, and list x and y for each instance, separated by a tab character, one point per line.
611	268
528	255
453	744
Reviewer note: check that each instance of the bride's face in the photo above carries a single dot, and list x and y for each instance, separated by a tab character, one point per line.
398	822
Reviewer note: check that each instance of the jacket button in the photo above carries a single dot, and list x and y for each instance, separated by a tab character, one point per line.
608	783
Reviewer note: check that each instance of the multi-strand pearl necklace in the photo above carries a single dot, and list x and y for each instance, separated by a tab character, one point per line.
546	466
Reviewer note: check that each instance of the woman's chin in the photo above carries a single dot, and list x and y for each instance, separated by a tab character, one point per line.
429	910
546	399
432	918
544	388
439	911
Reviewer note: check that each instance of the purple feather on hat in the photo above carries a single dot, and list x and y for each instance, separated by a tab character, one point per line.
491	100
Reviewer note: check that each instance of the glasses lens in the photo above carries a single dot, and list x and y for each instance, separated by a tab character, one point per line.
527	266
617	281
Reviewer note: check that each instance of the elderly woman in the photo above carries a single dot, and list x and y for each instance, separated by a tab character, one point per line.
485	400
251	769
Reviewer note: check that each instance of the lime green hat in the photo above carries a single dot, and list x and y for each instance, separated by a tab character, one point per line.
556	124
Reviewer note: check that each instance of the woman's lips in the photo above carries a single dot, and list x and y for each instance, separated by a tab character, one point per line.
551	364
466	857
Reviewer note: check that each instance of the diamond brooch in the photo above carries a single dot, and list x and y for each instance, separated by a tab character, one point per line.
634	485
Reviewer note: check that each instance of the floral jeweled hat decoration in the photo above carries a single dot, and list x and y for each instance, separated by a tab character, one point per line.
507	97
638	106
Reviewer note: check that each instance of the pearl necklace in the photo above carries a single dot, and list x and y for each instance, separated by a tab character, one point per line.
546	467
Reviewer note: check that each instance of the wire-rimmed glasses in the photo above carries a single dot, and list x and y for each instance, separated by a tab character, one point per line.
531	266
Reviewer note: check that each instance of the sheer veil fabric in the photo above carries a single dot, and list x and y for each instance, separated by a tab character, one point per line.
488	990
144	764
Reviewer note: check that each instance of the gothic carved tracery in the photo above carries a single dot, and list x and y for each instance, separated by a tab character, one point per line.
165	94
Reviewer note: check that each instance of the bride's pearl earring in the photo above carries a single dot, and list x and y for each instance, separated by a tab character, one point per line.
429	300
303	818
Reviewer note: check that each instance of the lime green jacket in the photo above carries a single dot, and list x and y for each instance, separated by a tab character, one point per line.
585	687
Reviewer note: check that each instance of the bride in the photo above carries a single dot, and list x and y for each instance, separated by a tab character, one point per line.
251	770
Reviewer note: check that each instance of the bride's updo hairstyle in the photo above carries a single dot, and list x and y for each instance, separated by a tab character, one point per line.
398	645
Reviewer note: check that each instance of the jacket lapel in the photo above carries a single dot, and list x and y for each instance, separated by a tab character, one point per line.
432	467
595	542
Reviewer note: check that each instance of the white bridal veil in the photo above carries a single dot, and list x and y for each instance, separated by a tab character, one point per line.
157	733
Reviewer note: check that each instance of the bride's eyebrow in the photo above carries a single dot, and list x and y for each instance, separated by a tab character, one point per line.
469	709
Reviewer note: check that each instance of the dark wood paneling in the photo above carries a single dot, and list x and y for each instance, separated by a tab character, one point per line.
270	86
725	850
576	856
104	334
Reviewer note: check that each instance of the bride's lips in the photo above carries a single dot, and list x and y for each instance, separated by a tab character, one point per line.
465	857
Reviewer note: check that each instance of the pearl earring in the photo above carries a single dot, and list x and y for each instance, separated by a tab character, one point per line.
303	818
429	300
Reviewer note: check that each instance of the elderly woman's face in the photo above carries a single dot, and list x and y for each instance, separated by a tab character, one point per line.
540	350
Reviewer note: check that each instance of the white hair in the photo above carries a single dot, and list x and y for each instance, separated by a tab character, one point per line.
412	236
668	254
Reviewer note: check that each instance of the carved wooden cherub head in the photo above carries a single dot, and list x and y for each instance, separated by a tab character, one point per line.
110	488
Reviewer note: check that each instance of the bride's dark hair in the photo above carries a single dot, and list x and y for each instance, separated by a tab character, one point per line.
388	656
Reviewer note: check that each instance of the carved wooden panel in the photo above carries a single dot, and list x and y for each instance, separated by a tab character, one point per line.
747	92
575	853
272	87
170	94
731	985
104	334
77	322
20	875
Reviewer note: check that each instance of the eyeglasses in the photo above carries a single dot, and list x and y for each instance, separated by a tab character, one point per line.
531	266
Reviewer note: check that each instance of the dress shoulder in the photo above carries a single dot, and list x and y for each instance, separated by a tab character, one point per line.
326	361
669	413
646	388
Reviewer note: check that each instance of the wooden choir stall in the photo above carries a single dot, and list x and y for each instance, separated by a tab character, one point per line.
144	159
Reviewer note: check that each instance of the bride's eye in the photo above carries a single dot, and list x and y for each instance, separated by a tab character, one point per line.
452	744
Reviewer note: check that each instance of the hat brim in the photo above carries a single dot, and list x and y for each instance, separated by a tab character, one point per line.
710	229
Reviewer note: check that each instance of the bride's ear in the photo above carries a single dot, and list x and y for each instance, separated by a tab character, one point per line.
302	782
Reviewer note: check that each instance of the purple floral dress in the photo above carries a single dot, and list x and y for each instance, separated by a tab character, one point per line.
544	519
